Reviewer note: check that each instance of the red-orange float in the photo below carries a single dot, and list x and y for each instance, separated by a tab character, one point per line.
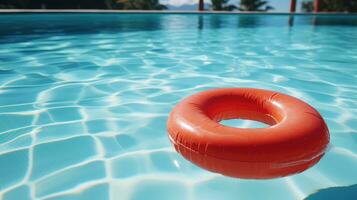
295	140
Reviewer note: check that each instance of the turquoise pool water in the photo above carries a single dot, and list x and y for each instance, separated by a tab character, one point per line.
84	100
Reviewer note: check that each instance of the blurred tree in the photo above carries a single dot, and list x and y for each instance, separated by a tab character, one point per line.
56	4
13	4
331	6
139	5
222	5
307	6
254	5
82	4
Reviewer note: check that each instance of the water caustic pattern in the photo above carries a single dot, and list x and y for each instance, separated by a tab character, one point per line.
84	100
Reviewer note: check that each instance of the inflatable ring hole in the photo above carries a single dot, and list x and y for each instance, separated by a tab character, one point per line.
229	107
244	123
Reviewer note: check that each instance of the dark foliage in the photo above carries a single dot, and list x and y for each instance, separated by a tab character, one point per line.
331	6
221	5
82	4
254	5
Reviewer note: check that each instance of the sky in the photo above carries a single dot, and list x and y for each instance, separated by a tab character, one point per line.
279	5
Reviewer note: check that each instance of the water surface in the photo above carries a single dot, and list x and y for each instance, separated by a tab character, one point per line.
84	100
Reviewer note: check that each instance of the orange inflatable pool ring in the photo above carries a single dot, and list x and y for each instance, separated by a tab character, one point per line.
295	140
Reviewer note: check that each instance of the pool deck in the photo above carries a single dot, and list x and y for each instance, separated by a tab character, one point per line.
14	11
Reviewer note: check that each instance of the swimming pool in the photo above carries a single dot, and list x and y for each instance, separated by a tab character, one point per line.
84	100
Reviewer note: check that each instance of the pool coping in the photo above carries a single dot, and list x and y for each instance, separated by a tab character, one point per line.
83	11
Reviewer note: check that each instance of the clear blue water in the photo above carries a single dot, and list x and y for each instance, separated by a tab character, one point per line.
84	100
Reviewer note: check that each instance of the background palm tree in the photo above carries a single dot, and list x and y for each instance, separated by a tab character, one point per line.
254	5
307	6
222	5
330	5
140	5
